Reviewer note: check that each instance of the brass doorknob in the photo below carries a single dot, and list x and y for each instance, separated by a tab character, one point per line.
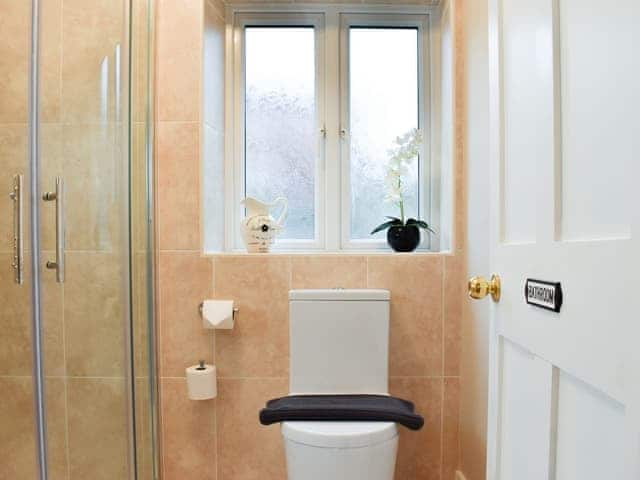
479	288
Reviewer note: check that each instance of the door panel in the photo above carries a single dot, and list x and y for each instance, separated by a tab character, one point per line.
596	49
590	432
527	80
84	128
563	394
525	413
17	435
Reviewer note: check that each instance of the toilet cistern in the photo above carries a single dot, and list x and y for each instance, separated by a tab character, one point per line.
338	362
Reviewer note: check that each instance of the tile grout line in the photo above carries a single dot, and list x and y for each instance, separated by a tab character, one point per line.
214	266
442	396
444	315
443	280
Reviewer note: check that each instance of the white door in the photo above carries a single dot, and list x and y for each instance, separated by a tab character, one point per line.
565	171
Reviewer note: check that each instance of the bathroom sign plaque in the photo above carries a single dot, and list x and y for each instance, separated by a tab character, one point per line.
547	295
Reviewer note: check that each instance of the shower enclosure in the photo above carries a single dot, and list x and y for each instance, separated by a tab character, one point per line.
77	390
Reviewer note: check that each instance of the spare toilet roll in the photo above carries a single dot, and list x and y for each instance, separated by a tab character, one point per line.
201	382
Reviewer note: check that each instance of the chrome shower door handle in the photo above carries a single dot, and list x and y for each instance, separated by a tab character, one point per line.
58	197
18	228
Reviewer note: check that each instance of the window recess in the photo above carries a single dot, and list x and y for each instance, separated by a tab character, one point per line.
314	100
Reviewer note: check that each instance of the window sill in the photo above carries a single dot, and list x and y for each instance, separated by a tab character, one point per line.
352	253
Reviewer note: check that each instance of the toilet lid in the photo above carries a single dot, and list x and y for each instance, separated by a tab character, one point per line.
339	434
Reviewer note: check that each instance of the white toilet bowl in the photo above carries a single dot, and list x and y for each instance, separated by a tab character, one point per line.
340	450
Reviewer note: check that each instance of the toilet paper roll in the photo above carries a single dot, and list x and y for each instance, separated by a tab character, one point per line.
201	382
217	314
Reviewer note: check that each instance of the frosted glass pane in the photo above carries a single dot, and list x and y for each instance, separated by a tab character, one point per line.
281	130
383	67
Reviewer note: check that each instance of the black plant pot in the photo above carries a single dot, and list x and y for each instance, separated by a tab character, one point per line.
403	239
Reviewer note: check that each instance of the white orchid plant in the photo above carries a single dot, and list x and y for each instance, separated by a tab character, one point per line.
404	152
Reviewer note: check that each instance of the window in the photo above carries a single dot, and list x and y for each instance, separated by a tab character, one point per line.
317	100
383	104
280	140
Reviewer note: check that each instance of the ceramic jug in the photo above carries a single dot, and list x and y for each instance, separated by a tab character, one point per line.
259	229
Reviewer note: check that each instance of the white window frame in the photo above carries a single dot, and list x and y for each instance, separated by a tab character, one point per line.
264	19
332	209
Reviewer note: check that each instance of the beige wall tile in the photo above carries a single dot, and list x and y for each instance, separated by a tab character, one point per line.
179	185
246	449
454	297
50	60
185	281
13	158
94	312
258	344
56	420
144	445
52	318
179	50
17	455
96	189
140	52
323	271
15	25
15	322
415	283
450	439
141	310
51	162
97	428
419	453
92	31
189	434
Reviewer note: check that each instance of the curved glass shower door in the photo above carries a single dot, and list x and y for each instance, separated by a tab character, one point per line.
76	338
17	433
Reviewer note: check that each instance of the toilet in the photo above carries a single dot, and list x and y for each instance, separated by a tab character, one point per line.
339	344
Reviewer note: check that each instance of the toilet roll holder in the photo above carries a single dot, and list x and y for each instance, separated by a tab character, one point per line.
234	312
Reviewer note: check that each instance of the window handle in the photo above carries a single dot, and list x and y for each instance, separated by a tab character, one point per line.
343	133
323	131
58	197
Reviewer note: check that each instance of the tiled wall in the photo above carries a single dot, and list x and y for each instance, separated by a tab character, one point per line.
222	439
84	348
